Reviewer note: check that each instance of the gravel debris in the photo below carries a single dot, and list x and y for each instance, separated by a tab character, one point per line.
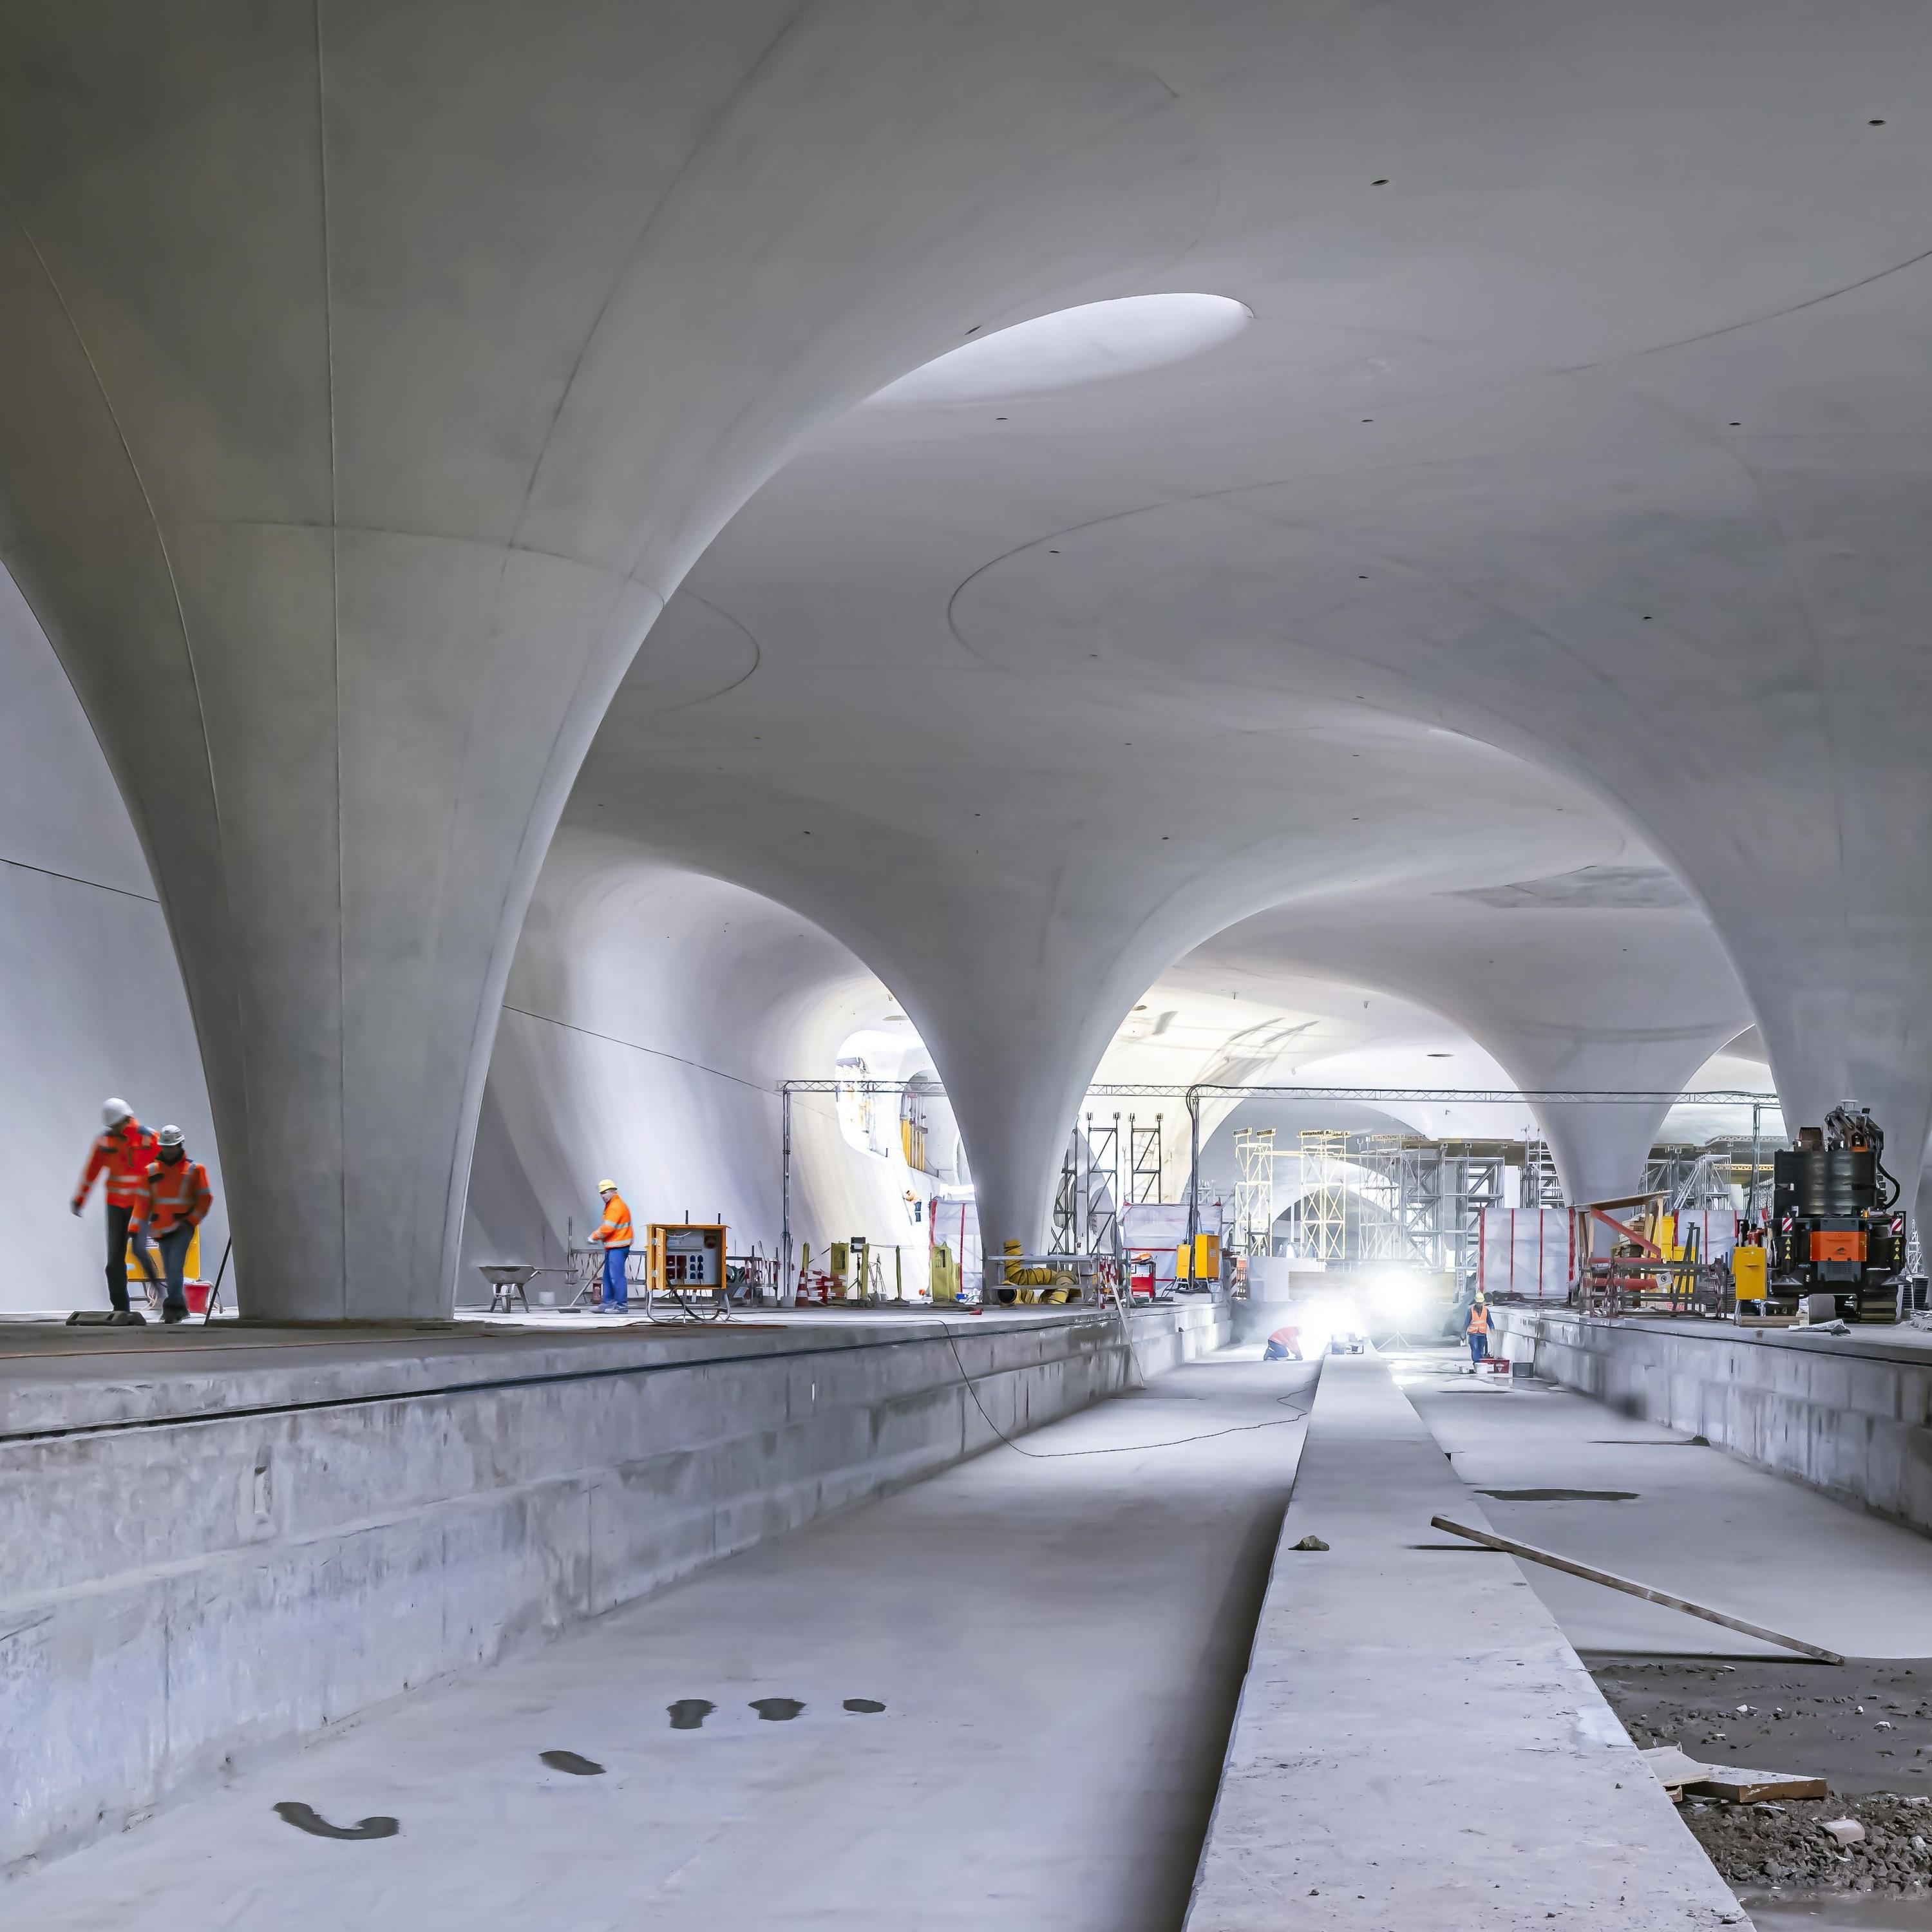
1783	1847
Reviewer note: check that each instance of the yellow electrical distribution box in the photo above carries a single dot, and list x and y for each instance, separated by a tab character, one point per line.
1207	1259
685	1254
1748	1272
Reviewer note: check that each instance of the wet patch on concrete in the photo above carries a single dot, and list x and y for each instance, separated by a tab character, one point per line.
569	1761
777	1710
306	1818
688	1714
867	1706
1561	1496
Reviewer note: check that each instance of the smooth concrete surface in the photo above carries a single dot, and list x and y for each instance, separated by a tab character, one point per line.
1850	1415
228	1540
1418	1745
1057	1645
1644	1501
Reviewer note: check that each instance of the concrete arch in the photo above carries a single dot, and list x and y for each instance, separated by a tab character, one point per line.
353	432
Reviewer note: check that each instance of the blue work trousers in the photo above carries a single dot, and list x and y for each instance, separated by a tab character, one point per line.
617	1291
174	1246
1479	1346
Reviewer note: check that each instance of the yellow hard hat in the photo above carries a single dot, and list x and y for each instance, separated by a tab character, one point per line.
607	1187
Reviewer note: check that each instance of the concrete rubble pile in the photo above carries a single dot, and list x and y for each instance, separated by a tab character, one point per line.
1786	1846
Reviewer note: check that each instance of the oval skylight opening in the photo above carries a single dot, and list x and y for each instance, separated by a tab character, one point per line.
1092	343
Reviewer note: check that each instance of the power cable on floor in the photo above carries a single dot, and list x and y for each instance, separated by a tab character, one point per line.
1117	1449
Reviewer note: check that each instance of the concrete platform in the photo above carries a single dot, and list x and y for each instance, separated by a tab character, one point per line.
1418	1746
1850	1414
226	1539
1057	1644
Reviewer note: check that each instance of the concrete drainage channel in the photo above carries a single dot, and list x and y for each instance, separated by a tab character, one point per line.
216	1578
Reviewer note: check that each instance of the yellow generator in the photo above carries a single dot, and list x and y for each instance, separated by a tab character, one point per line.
1206	1260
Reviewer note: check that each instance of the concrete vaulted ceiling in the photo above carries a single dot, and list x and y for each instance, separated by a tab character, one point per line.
376	375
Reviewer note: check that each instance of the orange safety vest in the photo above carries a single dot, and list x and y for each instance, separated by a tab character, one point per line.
177	1195
1479	1318
614	1230
123	1154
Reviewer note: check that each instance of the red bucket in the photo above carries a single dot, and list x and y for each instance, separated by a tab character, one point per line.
197	1293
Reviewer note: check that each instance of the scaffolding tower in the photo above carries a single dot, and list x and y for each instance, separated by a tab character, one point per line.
1144	1152
1324	1200
1086	1209
1400	1199
1254	1190
1541	1187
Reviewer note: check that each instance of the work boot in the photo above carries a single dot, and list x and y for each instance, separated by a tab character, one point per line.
171	1315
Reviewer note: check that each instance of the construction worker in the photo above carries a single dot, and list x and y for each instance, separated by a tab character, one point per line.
1477	1329
614	1235
175	1201
124	1154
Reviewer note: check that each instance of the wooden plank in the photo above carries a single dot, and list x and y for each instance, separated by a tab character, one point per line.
1677	1773
1530	1553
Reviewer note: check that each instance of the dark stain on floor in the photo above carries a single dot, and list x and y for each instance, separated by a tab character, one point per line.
867	1705
777	1710
1561	1495
569	1761
306	1818
689	1713
1648	1442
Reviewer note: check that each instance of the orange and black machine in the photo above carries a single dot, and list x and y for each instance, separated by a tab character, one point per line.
1836	1225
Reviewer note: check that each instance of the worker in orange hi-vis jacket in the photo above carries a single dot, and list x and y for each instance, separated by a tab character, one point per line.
123	1154
614	1235
175	1201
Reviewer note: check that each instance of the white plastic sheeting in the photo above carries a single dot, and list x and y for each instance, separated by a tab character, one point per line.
1531	1252
1526	1251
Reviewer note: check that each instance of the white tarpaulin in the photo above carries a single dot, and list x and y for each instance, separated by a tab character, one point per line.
1526	1251
1529	1251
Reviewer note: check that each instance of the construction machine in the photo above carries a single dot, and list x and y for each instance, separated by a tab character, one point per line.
1836	1226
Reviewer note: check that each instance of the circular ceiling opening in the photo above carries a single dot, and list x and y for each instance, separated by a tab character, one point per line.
1090	344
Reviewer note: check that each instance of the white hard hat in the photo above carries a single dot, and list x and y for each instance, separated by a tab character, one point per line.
113	1112
171	1137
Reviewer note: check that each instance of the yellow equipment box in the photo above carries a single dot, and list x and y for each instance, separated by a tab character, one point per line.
685	1255
1207	1259
1748	1272
945	1273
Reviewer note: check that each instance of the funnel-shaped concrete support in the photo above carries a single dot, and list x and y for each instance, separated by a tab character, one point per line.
353	426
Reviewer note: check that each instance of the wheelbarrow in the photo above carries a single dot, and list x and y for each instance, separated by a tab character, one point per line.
506	1279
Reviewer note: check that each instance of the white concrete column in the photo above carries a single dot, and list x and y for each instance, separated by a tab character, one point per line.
370	377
